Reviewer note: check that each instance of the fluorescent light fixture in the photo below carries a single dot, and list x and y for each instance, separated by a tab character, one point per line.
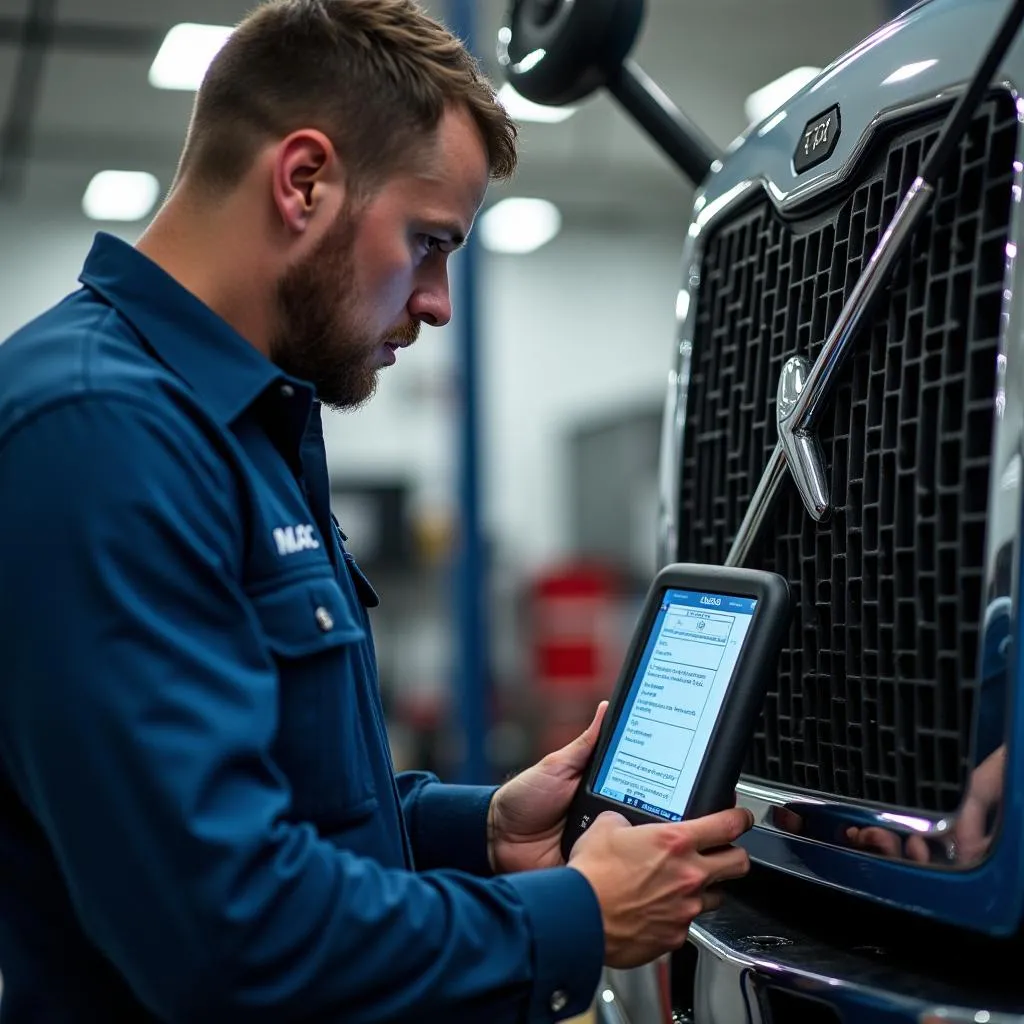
120	196
519	225
521	109
769	98
908	71
186	53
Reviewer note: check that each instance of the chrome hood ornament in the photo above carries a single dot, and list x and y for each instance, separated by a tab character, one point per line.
800	444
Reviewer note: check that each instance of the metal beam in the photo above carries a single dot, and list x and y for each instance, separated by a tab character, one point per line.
109	148
83	36
16	133
472	678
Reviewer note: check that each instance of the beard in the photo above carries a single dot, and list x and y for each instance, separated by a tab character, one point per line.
319	338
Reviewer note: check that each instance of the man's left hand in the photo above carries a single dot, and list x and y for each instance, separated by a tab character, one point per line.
527	814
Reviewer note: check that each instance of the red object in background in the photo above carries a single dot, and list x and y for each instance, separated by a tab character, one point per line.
574	630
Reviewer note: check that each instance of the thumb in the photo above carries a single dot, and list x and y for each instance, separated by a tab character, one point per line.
605	822
610	820
575	755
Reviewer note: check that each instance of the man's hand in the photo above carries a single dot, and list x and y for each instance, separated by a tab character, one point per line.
651	881
527	815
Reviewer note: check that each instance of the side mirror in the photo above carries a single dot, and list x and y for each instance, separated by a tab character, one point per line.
555	52
558	51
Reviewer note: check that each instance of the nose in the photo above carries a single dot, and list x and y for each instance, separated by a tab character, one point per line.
430	302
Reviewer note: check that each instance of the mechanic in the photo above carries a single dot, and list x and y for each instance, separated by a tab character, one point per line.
199	819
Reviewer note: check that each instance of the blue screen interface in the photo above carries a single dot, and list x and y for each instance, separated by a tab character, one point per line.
673	701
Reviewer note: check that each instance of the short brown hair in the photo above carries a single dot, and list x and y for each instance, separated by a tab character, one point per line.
375	76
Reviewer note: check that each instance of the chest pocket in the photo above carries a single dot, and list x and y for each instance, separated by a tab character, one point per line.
320	648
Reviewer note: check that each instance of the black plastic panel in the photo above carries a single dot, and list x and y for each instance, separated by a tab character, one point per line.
875	687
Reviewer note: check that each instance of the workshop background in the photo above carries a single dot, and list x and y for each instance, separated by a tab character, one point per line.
500	490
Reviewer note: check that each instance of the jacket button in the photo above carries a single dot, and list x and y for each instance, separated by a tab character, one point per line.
324	620
287	391
559	1001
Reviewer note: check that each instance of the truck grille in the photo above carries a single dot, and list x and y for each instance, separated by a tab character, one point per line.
874	694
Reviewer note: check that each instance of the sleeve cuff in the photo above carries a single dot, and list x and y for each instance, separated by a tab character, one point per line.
568	941
449	828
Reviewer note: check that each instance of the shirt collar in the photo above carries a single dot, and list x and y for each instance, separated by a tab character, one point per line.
223	368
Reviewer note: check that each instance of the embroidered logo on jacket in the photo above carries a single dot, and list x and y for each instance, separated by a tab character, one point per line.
291	540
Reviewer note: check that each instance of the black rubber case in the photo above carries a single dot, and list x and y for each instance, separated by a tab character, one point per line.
715	784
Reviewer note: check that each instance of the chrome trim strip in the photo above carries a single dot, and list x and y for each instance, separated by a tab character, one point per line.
962	1015
609	1011
639	995
1005	499
760	507
819	386
787	202
808	816
728	979
673	425
736	969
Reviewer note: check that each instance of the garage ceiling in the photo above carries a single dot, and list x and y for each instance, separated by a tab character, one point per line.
92	107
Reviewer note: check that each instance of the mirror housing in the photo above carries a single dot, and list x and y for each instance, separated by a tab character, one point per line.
555	52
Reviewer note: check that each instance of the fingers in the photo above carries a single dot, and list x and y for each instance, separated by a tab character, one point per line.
917	850
986	783
711	899
788	821
726	864
716	830
969	830
876	840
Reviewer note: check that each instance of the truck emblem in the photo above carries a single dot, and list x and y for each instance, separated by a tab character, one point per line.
818	141
804	457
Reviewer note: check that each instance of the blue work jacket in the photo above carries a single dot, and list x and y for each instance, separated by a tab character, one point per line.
199	816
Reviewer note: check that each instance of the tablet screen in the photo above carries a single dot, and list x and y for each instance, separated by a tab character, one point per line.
673	701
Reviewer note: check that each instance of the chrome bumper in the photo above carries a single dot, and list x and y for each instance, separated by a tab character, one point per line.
742	966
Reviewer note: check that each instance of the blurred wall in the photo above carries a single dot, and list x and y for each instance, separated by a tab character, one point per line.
576	330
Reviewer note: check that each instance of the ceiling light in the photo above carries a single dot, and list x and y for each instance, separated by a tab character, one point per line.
519	225
120	195
521	109
186	53
769	98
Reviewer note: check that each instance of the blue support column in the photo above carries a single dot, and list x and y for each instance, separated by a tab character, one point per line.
472	668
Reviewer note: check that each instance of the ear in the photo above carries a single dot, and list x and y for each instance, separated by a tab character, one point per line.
307	180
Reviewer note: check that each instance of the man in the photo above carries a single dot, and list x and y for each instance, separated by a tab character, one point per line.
199	820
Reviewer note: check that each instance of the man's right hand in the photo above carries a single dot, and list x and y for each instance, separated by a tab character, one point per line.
652	880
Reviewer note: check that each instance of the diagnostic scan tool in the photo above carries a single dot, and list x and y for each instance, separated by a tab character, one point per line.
684	709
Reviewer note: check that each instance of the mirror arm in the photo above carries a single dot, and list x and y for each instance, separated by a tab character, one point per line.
680	139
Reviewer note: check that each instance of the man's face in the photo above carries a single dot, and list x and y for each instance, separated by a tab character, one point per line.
379	273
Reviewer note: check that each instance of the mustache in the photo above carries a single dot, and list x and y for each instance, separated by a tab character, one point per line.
404	335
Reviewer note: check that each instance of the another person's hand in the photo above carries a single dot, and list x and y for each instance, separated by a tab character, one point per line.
651	881
970	836
984	794
527	814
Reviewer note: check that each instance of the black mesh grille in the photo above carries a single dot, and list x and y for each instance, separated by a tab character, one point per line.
874	693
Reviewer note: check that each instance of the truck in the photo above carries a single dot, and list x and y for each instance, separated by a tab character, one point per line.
845	407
